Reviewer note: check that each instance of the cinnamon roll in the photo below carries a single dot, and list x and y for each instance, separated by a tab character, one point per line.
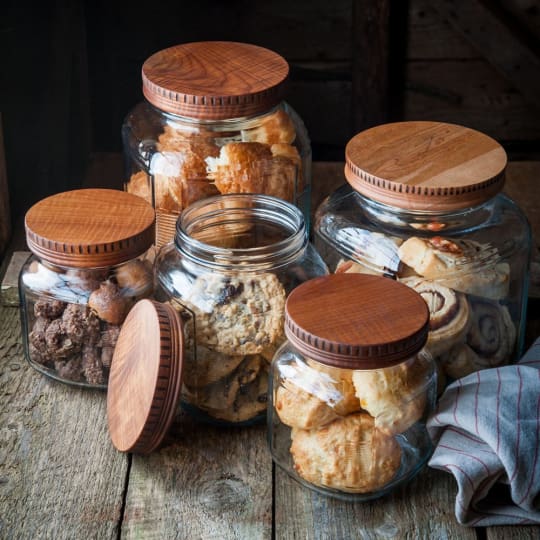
449	314
492	334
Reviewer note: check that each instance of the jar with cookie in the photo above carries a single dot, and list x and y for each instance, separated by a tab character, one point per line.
423	204
90	263
351	388
214	121
233	262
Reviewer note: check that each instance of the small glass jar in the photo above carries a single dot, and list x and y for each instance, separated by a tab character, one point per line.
89	265
423	205
228	272
351	388
214	121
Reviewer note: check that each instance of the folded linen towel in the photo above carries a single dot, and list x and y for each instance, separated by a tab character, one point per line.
486	431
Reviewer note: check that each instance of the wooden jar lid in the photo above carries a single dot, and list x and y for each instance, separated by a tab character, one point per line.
430	166
356	321
214	80
88	228
145	378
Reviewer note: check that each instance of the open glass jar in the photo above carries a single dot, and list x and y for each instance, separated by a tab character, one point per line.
89	265
351	388
214	121
228	272
423	205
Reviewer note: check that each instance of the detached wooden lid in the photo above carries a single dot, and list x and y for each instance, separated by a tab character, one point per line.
88	228
145	378
426	166
356	321
214	80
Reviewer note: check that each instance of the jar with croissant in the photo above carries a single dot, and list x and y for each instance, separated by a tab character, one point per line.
423	204
214	121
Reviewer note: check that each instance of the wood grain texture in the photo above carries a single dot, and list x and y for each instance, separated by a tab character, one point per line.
212	483
5	213
301	513
59	475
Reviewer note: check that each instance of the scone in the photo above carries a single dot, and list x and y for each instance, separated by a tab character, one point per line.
349	454
310	397
449	314
463	265
394	396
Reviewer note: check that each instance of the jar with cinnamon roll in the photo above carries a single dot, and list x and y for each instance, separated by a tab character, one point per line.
214	121
227	274
90	264
423	205
351	388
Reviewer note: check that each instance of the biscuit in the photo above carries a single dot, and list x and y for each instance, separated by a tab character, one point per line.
311	397
395	396
139	184
449	314
237	314
349	454
275	128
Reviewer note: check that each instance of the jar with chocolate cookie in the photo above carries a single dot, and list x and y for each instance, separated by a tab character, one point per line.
90	264
423	204
214	121
351	388
233	261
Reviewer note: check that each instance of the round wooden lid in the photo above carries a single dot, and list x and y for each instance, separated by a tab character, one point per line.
430	166
214	80
145	378
88	228
356	321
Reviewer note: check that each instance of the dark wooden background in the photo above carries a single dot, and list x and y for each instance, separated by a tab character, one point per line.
71	72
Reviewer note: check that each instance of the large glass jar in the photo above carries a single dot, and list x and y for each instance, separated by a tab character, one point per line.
228	272
214	121
423	205
351	388
90	263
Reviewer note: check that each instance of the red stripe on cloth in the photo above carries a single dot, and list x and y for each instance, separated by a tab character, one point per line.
456	401
463	472
516	450
535	461
462	452
498	415
476	403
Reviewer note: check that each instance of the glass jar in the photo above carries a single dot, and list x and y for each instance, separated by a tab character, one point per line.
423	205
233	262
351	388
89	265
214	121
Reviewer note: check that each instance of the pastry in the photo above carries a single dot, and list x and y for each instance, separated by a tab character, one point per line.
310	397
492	334
463	265
449	314
275	128
395	396
349	454
252	167
459	361
237	315
139	184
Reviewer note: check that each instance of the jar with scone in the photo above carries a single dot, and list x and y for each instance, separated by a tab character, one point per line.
351	388
213	121
90	264
423	204
233	262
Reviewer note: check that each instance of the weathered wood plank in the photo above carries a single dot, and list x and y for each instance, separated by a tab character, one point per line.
9	291
301	513
508	53
211	483
461	92
512	533
59	475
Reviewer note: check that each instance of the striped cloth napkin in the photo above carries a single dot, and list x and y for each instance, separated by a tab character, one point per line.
486	431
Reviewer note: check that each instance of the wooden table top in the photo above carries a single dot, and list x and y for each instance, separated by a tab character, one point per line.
60	476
